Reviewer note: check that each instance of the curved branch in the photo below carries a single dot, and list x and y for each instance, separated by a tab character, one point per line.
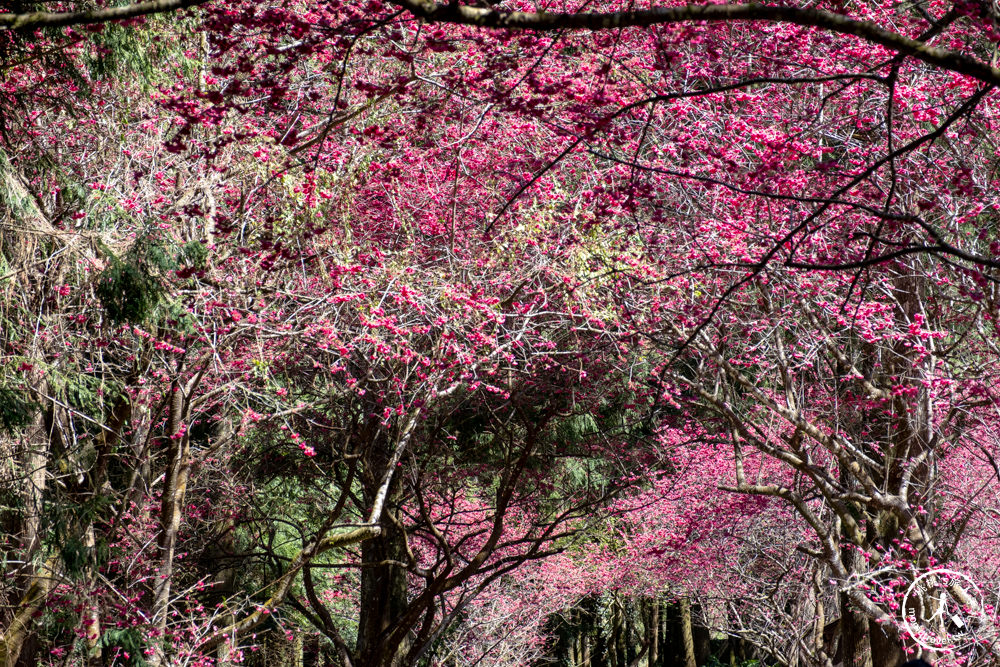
815	18
33	20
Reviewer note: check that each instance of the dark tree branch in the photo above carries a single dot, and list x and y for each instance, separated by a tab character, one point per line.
33	20
837	23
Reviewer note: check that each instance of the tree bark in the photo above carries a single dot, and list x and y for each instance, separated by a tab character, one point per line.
383	594
654	630
855	649
90	618
687	633
885	647
42	582
174	491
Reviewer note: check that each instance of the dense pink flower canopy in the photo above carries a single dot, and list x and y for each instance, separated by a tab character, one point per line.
396	321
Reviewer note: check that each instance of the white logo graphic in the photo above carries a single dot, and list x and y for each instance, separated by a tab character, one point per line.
936	621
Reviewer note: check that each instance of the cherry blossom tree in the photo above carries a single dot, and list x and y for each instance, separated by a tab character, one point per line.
412	267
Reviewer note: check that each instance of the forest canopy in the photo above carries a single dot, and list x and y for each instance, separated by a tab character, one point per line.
388	333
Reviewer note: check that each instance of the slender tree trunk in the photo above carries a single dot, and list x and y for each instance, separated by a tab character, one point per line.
226	583
586	628
577	638
633	640
599	650
297	650
90	618
668	646
687	633
36	458
172	502
654	631
614	639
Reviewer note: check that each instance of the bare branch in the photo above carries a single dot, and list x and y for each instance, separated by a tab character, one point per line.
33	20
549	21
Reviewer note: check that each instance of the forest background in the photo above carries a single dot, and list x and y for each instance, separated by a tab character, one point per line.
401	333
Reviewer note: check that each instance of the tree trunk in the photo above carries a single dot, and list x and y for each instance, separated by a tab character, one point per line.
36	459
383	595
687	633
90	618
30	578
44	580
615	636
854	647
885	647
172	502
654	630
